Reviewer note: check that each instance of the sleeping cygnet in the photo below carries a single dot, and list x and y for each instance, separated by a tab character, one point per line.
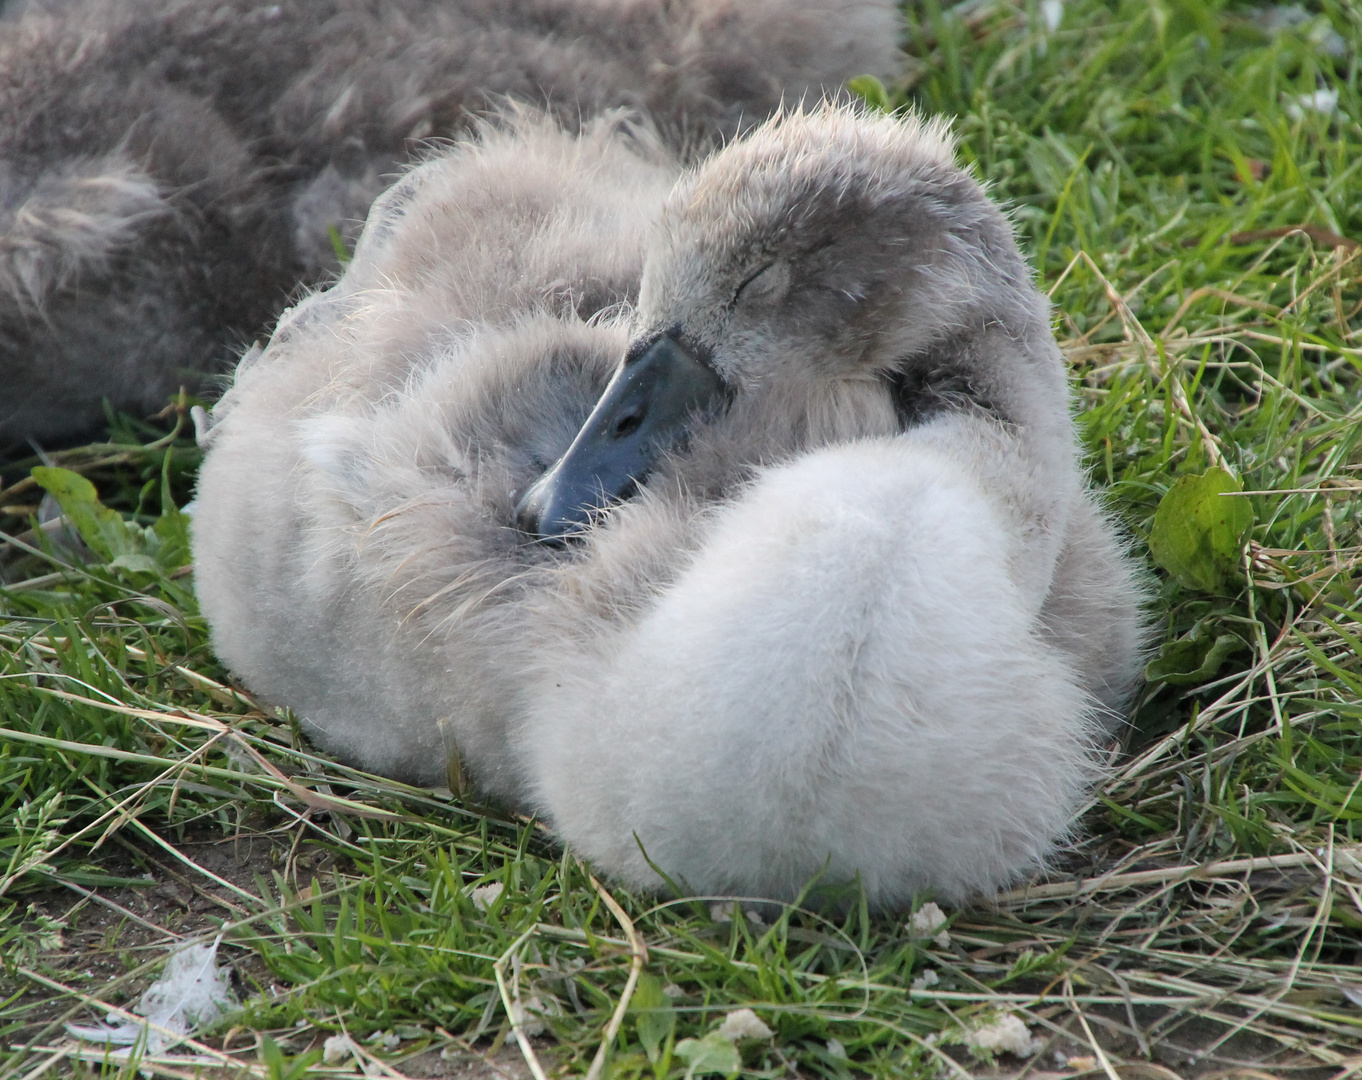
810	587
834	598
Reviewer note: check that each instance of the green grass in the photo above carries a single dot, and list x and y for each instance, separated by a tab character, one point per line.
1155	157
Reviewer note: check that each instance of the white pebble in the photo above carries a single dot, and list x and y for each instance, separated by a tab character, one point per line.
744	1024
929	920
529	1015
337	1048
1004	1034
928	978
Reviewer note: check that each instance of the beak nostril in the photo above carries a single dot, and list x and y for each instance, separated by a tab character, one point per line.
628	425
527	512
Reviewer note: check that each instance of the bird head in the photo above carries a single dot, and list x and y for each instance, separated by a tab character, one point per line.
813	260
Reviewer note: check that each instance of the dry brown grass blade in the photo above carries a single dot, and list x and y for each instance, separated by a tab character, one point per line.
639	953
1169	875
311	799
511	1003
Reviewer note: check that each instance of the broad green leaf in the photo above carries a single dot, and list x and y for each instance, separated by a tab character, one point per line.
712	1054
1200	528
144	564
123	544
1195	658
104	530
656	1020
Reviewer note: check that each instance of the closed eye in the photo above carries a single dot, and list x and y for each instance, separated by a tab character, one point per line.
742	286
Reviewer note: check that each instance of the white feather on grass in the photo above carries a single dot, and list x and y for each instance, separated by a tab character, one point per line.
192	993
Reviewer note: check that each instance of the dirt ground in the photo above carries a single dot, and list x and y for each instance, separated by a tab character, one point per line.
93	941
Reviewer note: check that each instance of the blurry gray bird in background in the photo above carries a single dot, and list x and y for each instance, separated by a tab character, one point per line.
171	172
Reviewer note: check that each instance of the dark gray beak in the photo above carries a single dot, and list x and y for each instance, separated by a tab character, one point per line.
655	398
